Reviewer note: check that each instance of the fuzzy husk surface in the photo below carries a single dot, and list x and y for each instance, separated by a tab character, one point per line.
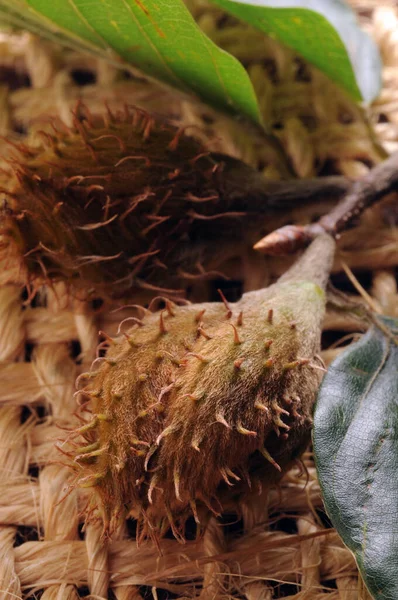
122	201
197	404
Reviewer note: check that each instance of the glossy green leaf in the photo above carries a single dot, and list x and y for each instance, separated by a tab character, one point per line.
159	37
356	449
324	32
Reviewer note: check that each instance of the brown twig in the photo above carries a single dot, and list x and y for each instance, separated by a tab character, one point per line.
244	188
378	183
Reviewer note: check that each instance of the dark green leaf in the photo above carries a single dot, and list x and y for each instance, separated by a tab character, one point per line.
324	32
159	37
356	449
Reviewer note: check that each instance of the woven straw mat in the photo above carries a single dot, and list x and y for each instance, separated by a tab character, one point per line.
279	545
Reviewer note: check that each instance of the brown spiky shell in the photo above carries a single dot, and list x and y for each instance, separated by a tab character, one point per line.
197	401
120	200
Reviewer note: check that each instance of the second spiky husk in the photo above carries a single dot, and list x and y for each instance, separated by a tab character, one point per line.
121	201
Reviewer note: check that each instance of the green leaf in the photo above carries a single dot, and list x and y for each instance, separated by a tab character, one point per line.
324	32
159	37
356	451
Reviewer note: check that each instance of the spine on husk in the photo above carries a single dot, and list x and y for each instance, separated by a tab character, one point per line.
121	199
194	404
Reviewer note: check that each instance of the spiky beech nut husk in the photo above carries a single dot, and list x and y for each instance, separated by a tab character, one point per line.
123	198
201	397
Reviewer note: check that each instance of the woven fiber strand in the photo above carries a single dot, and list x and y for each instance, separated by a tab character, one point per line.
277	544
